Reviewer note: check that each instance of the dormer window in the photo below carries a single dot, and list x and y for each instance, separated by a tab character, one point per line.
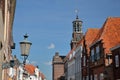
117	61
92	55
97	52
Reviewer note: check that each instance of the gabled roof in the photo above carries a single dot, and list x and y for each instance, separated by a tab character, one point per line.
109	33
70	52
30	68
90	36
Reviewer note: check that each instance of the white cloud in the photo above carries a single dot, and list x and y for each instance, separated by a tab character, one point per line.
51	46
48	63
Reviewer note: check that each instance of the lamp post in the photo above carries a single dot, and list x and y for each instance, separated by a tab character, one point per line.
25	47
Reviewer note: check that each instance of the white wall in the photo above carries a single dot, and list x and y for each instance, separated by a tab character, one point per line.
78	72
71	68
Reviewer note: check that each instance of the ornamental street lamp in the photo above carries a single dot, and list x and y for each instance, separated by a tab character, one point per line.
25	47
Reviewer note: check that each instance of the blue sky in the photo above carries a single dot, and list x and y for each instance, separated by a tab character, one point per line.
49	25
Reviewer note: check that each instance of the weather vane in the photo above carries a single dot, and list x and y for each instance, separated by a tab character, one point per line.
76	11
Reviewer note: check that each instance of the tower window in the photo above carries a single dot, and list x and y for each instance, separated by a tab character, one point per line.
78	29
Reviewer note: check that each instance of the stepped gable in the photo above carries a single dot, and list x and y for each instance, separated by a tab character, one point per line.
57	58
109	33
89	37
62	57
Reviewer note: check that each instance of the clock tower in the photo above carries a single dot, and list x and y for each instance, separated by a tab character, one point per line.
77	32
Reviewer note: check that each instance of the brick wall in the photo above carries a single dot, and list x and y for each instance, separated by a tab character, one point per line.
58	71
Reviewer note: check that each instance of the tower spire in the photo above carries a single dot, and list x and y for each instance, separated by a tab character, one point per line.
77	31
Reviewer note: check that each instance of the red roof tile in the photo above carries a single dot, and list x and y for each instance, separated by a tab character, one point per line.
110	33
89	39
90	36
30	68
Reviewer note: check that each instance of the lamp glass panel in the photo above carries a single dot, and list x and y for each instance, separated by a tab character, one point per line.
25	47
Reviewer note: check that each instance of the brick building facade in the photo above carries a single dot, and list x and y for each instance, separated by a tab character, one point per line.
116	61
58	67
100	59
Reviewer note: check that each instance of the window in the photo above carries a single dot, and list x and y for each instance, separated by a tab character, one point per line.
74	27
91	77
92	55
83	78
109	57
84	49
117	61
97	52
78	27
95	77
87	78
84	61
11	72
1	45
81	48
101	76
